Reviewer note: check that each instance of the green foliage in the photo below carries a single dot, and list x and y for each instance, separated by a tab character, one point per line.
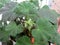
29	24
49	14
1	5
24	41
44	31
11	29
35	2
3	2
25	8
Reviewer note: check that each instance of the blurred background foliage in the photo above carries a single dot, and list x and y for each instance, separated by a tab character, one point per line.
44	31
